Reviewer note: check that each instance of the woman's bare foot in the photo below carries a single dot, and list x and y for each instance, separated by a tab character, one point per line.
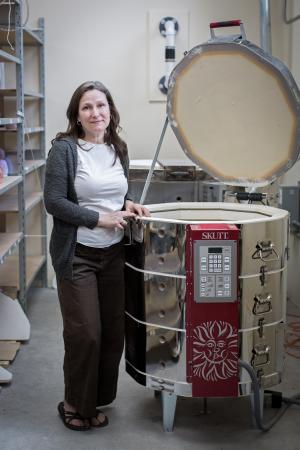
75	422
100	420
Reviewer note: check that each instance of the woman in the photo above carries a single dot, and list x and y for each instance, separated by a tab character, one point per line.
85	190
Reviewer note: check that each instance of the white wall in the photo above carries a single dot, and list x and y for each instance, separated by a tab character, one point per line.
107	40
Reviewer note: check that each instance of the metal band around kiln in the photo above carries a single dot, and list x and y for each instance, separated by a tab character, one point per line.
183	277
244	382
182	330
155	377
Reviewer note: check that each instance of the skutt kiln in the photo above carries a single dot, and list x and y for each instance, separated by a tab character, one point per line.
206	283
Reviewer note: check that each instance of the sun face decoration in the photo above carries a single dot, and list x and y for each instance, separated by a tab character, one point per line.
215	349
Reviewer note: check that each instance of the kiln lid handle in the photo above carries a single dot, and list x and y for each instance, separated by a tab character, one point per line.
227	23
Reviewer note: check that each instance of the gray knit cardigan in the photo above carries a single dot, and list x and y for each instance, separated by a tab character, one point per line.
62	203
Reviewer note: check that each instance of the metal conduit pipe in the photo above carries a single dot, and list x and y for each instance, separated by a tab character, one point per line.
266	426
168	28
265	26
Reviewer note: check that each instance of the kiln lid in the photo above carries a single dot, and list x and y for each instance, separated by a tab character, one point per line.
235	111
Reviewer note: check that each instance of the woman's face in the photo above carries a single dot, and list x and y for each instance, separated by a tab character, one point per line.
94	115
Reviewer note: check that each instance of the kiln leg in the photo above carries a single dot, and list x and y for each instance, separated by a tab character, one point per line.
169	406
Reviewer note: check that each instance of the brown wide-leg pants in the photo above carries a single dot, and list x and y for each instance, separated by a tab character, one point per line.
92	306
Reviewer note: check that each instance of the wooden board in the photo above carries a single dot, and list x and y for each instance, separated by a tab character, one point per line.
9	203
4	363
8	350
9	182
7	242
9	271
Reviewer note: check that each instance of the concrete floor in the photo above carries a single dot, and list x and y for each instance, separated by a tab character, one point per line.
29	420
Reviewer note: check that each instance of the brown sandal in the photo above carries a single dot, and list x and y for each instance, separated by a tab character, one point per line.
68	416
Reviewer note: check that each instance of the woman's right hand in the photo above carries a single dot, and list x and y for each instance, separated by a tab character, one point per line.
115	219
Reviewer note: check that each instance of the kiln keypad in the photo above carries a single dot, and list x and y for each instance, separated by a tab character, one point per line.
215	272
215	277
215	263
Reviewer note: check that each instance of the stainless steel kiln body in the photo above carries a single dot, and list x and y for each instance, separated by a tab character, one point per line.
172	180
156	302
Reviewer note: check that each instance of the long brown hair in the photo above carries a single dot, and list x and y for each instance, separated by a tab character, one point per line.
75	129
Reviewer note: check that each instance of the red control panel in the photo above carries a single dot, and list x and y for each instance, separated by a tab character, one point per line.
212	266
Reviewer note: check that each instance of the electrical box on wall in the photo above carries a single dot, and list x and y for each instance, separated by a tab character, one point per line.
156	66
290	200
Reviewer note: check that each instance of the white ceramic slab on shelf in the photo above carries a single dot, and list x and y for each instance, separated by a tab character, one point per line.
5	375
14	325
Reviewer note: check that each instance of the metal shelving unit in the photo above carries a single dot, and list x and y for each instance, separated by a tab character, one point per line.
23	246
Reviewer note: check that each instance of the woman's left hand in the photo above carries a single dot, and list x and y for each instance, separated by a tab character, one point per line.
136	208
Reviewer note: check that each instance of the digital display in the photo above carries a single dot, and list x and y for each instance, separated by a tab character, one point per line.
215	250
